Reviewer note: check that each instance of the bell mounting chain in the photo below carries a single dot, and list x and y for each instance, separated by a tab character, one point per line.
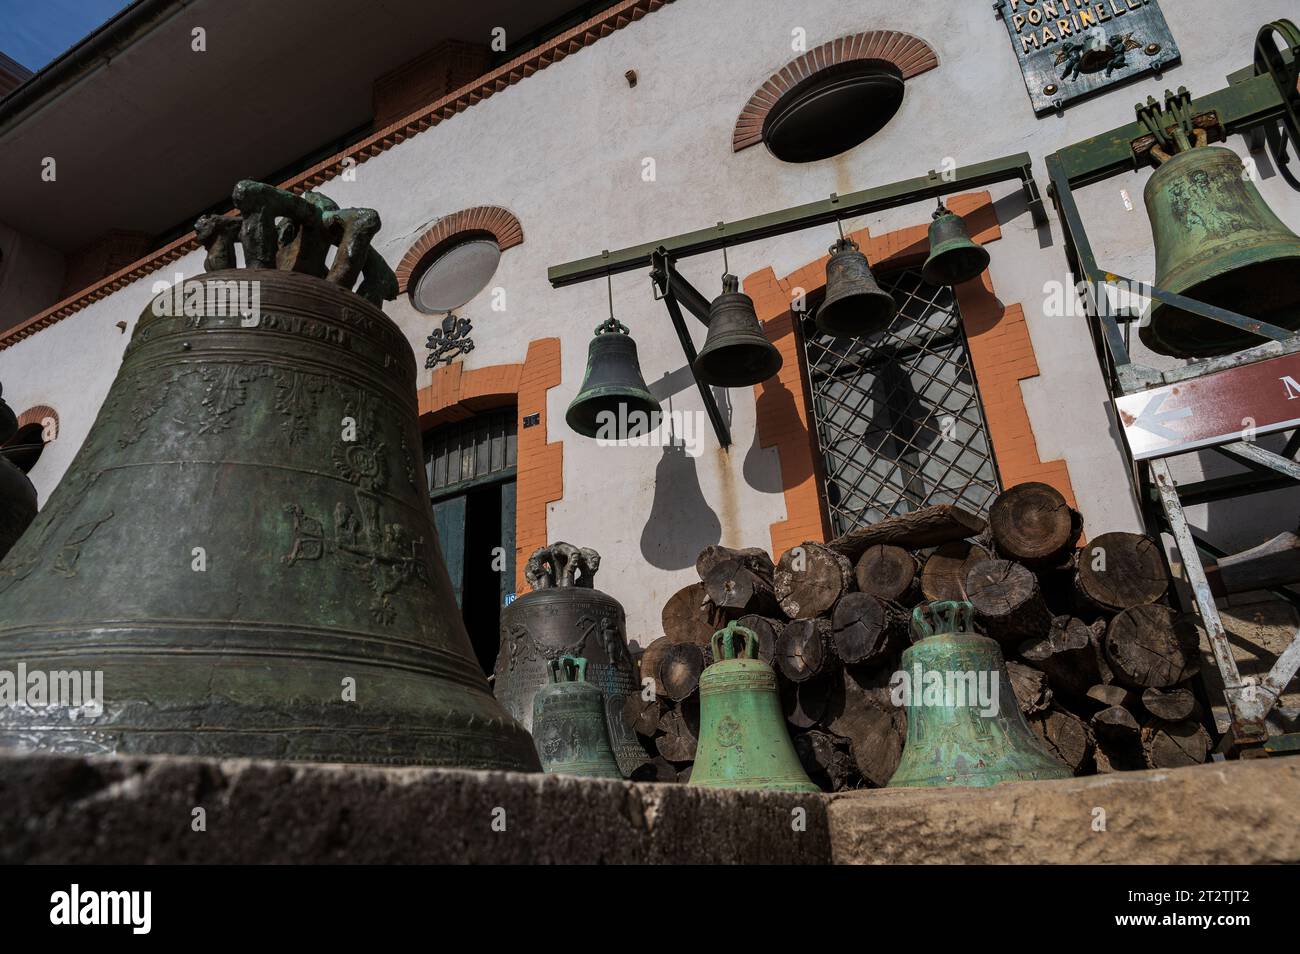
1220	403
675	291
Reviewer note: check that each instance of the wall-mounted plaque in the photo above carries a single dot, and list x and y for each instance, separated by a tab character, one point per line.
1069	49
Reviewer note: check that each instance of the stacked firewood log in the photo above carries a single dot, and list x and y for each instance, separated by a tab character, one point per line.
1101	666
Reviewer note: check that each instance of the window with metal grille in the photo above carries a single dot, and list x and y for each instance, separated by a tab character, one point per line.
898	414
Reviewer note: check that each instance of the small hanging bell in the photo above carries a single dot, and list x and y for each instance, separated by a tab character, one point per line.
964	725
569	723
854	306
736	353
613	401
743	742
954	257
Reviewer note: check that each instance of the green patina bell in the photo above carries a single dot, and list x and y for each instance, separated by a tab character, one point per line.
743	742
954	257
241	560
964	725
1217	241
569	723
613	402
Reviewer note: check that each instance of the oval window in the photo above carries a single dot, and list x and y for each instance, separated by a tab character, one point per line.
833	110
456	275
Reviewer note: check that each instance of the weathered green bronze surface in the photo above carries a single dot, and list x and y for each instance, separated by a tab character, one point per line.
736	353
565	615
17	495
244	547
743	742
954	258
612	389
955	737
1217	241
569	723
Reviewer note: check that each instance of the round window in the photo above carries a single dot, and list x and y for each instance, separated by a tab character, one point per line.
833	110
456	275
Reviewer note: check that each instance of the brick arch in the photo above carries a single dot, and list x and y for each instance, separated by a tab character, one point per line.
480	220
910	54
1001	353
38	415
456	394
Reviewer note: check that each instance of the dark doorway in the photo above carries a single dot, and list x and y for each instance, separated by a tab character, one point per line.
471	468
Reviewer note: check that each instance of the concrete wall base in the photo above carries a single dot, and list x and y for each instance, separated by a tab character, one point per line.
137	810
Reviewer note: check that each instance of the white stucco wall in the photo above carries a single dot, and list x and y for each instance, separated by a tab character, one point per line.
563	150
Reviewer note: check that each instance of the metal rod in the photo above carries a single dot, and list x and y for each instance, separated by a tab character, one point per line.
800	217
687	294
1244	706
1255	457
669	292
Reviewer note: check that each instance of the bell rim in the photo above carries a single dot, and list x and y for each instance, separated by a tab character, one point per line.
877	302
706	371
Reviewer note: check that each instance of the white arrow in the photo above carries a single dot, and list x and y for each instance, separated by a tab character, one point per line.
1152	421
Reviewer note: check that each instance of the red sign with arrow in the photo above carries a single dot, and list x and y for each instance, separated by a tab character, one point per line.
1232	405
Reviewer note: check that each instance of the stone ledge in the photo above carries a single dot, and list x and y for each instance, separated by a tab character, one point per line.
1221	813
139	810
64	809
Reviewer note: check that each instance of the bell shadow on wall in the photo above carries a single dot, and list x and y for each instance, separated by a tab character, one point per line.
681	522
776	404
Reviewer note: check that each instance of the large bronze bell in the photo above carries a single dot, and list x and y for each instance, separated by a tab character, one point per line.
17	495
736	353
243	547
565	615
569	723
954	257
854	306
743	742
964	725
1218	242
613	402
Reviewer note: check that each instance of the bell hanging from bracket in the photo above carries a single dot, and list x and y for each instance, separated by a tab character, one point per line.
854	306
1216	241
613	402
736	353
964	725
743	741
954	256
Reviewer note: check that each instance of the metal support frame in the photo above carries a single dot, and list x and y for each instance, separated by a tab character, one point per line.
1265	100
676	292
800	217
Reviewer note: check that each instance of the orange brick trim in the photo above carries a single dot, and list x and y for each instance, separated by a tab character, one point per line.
1001	357
480	220
910	54
583	35
456	394
38	415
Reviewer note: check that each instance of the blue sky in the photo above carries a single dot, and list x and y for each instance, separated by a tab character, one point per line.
33	32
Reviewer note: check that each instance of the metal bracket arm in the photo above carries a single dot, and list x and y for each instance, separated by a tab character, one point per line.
670	285
800	217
